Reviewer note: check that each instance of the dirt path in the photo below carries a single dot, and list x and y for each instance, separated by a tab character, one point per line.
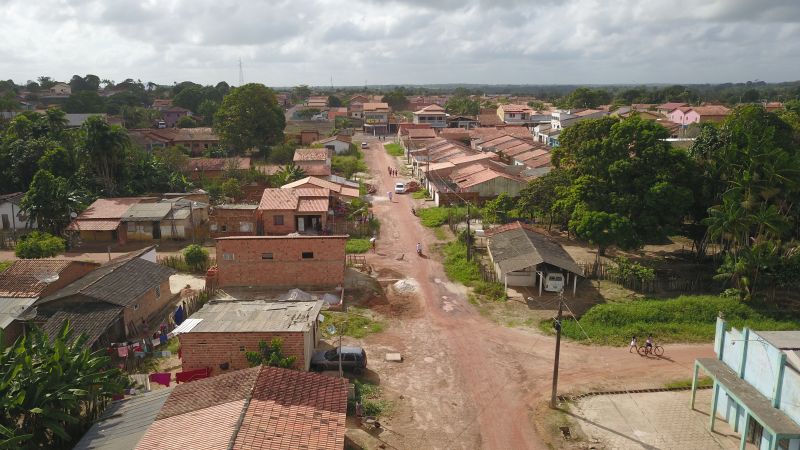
467	382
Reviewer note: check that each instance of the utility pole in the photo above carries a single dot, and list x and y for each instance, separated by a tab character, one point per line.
469	237
557	326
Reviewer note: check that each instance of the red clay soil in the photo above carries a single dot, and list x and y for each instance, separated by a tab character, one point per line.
504	374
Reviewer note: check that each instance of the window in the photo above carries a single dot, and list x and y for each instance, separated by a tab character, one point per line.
241	348
277	220
223	227
228	256
135	306
267	255
308	255
131	226
158	291
245	226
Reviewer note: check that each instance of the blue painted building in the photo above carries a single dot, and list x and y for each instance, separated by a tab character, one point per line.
756	388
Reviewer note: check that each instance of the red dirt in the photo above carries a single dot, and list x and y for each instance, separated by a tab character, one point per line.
503	374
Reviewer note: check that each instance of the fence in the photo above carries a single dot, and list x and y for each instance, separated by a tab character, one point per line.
690	279
354	229
7	241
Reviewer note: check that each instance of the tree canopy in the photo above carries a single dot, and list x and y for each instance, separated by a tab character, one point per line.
250	117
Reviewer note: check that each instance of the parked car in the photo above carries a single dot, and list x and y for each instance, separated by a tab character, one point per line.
354	359
364	145
554	282
399	187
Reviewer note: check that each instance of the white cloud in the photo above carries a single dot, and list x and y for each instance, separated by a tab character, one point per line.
412	41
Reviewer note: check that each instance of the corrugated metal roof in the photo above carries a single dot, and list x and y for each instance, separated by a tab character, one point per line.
250	316
147	212
12	307
124	422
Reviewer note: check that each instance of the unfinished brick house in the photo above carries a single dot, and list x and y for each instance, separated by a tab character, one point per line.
294	210
281	261
224	330
233	220
314	161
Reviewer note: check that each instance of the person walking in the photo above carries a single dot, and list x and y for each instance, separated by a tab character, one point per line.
633	347
374	244
389	194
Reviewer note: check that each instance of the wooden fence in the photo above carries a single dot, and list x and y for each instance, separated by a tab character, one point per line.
687	280
7	241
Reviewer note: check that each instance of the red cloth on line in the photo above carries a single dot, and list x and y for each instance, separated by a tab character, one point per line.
122	352
161	378
191	375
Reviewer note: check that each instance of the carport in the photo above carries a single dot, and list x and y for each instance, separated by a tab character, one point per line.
521	254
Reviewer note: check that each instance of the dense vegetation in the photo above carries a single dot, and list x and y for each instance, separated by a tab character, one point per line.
683	319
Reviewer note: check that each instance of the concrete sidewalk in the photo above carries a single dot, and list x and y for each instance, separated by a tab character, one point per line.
659	420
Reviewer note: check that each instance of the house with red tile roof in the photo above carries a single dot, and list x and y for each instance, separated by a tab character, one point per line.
212	168
102	220
340	191
294	210
314	161
257	408
376	118
666	108
337	144
196	140
433	115
514	114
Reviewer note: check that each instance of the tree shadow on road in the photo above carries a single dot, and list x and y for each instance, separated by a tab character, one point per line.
610	430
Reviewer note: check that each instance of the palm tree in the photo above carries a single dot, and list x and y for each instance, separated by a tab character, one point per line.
289	173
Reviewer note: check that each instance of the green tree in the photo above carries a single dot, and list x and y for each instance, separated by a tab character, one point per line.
281	154
289	173
396	99
49	202
334	101
186	122
462	105
603	230
189	98
301	93
270	354
174	157
307	113
85	102
250	117
207	109
540	196
232	189
104	147
39	245
586	98
625	169
196	257
498	209
52	389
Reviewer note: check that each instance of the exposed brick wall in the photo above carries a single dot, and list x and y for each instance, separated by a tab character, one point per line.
232	219
289	222
148	305
199	350
71	273
287	268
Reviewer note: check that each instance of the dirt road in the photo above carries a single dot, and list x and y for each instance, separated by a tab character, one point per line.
467	382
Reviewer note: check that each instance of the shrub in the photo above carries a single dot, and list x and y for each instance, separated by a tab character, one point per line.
39	245
347	166
394	149
456	265
433	217
196	257
270	354
627	269
421	194
357	246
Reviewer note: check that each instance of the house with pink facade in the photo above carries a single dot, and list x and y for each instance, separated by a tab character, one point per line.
686	115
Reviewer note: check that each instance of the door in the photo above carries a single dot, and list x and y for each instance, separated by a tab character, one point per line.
6	223
301	224
754	432
156	230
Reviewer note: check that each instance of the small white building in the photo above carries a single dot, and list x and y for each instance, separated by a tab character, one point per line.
60	89
11	216
338	144
433	115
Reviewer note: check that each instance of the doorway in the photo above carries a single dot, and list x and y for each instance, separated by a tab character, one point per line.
156	230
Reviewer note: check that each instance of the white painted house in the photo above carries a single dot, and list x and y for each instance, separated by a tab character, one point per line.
11	216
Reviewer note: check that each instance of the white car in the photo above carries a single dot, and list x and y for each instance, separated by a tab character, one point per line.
554	282
364	145
399	188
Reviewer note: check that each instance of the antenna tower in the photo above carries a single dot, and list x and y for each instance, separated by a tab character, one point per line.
241	73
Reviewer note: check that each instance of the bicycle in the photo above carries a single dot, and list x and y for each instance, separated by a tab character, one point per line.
655	350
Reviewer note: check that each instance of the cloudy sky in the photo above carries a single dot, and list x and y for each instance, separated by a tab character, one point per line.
285	43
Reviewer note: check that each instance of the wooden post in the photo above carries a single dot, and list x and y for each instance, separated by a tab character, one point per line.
557	325
574	284
694	383
540	283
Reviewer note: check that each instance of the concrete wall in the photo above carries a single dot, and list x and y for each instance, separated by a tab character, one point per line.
241	263
201	350
12	212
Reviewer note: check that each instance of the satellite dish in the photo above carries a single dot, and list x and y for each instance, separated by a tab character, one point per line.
27	314
73	214
46	277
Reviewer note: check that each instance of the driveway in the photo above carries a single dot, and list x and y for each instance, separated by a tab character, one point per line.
467	382
658	420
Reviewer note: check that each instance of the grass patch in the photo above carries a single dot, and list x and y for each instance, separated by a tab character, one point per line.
372	401
355	323
394	149
681	319
421	194
433	217
468	273
357	246
687	383
5	265
440	233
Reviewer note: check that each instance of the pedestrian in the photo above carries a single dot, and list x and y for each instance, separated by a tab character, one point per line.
373	242
633	345
389	168
389	194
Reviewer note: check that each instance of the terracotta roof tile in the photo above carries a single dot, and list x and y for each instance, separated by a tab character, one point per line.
22	278
210	428
217	163
306	182
285	199
208	392
93	225
421	133
109	208
311	154
307	205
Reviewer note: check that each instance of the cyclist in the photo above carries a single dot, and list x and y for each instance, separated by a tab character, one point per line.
648	344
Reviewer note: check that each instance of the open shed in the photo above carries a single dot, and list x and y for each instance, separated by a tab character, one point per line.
523	256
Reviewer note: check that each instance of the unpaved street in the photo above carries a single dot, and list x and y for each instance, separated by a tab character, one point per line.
467	382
